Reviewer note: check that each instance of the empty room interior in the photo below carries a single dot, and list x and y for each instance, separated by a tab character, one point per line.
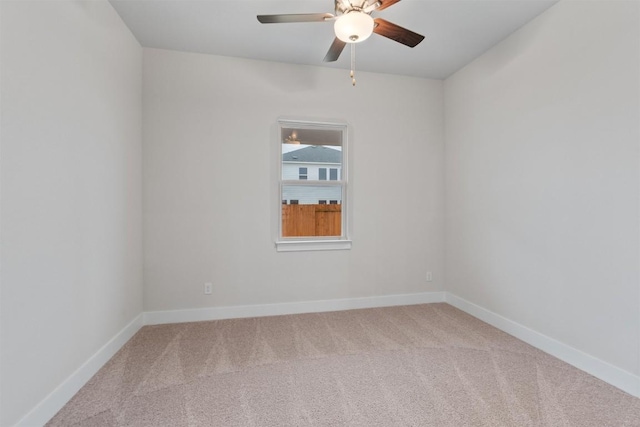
204	222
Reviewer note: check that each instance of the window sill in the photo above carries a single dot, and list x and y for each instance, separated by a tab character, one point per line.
312	245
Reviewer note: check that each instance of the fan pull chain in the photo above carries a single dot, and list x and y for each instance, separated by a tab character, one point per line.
353	63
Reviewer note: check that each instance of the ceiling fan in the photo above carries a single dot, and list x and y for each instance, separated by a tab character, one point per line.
353	23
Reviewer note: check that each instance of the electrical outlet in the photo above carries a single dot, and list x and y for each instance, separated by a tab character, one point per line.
429	276
208	288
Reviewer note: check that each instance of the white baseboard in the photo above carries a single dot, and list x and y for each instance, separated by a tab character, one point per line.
239	311
625	381
51	404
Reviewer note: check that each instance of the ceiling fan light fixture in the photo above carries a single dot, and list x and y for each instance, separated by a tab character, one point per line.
353	27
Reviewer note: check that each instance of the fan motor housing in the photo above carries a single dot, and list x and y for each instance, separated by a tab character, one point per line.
354	27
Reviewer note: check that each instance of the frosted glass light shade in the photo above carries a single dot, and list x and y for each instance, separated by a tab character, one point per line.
353	27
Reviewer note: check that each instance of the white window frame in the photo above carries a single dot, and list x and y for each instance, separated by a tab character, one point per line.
313	243
306	174
337	174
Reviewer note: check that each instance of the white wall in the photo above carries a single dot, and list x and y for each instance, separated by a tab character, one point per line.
70	191
542	189
211	160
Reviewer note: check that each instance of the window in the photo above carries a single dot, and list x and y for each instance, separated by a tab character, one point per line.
316	216
284	202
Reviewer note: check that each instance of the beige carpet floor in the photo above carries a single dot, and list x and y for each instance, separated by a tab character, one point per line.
422	365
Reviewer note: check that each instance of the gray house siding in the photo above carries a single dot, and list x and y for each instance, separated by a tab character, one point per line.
321	164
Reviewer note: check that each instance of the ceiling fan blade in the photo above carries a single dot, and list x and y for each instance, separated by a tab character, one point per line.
295	17
386	3
335	50
396	32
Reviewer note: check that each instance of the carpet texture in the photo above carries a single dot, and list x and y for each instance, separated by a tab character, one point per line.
421	365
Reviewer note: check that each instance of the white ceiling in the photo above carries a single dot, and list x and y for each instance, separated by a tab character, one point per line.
456	31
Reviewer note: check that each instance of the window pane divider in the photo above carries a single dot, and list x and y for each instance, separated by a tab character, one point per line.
308	182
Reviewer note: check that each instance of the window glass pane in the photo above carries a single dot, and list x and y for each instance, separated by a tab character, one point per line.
333	174
311	217
322	174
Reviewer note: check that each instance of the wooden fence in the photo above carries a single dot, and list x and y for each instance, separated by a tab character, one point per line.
311	220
